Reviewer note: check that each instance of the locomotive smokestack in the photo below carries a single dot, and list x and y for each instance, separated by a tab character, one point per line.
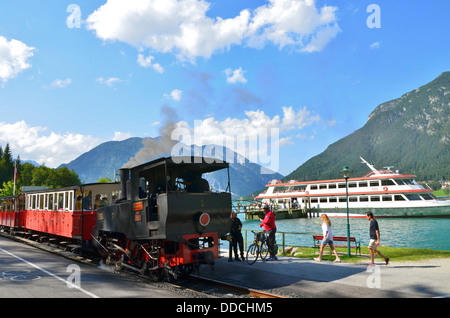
124	177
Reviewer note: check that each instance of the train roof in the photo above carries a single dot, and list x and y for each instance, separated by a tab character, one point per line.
187	163
76	187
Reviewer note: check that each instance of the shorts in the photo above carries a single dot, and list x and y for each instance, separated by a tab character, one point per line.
373	244
325	242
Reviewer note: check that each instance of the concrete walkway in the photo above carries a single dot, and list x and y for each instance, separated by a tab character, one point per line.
297	277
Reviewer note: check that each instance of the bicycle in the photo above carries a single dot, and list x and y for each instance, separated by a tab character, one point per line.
258	248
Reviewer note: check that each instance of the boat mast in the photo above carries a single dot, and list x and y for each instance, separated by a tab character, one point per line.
368	164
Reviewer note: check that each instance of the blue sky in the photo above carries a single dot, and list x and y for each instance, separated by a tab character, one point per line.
314	70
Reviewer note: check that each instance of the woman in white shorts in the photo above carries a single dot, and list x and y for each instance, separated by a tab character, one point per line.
327	238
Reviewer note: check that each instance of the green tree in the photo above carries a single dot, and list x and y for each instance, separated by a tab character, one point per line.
8	189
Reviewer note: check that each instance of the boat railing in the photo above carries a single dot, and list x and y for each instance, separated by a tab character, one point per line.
378	172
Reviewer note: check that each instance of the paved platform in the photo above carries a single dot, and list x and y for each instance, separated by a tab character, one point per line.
297	277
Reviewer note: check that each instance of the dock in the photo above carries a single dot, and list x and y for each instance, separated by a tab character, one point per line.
253	211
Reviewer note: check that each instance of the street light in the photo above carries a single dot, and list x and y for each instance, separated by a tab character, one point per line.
346	173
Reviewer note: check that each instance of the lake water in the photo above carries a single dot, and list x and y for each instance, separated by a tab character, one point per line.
433	233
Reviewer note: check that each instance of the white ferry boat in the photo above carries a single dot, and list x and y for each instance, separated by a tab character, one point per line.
385	192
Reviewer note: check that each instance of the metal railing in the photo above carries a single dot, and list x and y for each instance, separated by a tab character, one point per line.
281	244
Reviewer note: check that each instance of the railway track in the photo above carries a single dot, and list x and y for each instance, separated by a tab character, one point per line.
196	285
253	293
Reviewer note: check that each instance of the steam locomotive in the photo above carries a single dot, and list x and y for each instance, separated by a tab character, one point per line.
161	218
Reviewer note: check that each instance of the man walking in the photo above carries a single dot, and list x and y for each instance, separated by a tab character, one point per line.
269	226
374	232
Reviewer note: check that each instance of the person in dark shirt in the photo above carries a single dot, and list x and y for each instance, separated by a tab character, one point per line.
236	236
374	233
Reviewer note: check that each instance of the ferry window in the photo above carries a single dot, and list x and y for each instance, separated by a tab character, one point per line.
363	184
353	199
341	185
400	182
314	200
323	186
399	197
387	182
332	200
374	183
342	199
323	200
412	197
277	189
426	197
352	185
363	199
313	187
387	198
375	198
332	186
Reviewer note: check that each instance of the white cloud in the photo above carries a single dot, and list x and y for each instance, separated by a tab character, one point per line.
375	45
147	62
108	81
297	120
52	148
14	57
257	137
212	131
235	76
58	83
176	95
294	22
182	27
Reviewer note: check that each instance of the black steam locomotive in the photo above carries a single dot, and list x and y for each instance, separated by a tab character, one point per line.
167	220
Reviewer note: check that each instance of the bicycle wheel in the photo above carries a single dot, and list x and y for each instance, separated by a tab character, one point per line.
264	251
252	254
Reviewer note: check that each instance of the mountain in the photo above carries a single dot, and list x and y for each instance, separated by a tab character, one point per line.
411	133
103	160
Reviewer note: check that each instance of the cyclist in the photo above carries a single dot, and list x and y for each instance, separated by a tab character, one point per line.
269	226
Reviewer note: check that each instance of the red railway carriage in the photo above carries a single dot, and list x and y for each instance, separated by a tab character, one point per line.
69	211
10	211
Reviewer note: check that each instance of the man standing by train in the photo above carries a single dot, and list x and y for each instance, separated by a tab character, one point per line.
269	226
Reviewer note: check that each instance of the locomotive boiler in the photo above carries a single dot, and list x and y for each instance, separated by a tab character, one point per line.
167	220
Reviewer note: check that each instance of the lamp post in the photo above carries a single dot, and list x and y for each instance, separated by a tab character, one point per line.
346	173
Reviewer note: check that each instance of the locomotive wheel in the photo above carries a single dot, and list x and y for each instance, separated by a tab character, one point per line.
187	269
144	269
118	264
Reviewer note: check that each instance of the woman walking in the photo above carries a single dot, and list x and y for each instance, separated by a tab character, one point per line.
327	238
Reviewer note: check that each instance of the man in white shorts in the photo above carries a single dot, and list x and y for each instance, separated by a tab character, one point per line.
374	239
